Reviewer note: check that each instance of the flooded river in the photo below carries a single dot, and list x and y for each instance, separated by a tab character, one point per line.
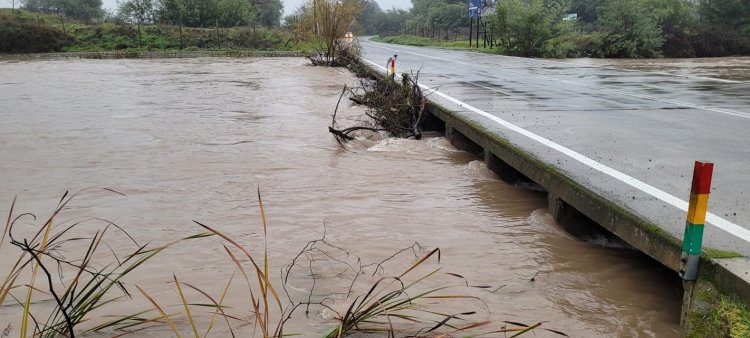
192	139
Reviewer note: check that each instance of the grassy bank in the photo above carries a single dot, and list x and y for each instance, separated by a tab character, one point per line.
412	40
29	32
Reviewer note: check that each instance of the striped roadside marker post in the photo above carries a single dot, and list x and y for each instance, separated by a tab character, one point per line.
696	218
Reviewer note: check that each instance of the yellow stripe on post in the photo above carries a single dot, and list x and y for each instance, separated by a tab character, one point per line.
698	208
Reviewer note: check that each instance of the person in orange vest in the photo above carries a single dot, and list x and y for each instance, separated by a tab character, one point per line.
392	66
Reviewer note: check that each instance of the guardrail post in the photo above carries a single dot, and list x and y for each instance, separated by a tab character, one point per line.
696	218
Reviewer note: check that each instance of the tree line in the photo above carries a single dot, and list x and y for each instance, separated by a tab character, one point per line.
189	13
601	28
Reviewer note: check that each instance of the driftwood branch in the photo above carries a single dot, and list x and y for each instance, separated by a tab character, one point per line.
394	108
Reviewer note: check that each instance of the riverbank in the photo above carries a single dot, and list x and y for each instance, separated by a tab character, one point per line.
155	54
28	32
413	40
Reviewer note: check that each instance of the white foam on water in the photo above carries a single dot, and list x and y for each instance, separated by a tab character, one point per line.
478	169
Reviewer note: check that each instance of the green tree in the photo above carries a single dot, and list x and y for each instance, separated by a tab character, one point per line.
232	13
631	29
677	21
724	28
448	16
172	12
587	10
269	12
390	22
734	14
531	28
369	12
86	10
200	13
137	11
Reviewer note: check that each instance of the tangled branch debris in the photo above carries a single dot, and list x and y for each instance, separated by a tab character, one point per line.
393	107
341	54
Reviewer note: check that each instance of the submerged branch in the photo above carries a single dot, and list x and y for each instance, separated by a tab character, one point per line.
392	107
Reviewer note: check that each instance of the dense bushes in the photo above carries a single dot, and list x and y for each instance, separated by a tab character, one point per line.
629	30
24	38
603	28
531	28
716	40
23	32
156	37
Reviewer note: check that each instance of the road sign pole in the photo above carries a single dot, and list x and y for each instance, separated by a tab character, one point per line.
479	24
696	219
471	27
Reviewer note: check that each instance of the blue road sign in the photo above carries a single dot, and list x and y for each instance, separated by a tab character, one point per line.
475	8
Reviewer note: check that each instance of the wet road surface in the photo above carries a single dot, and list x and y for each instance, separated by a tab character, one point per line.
630	129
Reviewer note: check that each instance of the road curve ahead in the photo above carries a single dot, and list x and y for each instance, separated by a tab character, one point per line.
629	135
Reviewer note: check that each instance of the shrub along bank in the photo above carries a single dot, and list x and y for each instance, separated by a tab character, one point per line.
576	28
27	32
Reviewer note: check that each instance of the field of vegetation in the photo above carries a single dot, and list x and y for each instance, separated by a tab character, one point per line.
415	40
530	28
28	32
595	28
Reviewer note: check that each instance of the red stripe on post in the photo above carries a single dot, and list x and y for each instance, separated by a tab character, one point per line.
702	177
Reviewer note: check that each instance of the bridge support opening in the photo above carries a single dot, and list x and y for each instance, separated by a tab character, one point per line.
462	142
580	225
507	173
432	123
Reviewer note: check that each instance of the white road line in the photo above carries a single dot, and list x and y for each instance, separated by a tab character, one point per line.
711	218
618	92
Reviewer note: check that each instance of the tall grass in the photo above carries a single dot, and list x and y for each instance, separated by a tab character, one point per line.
392	304
91	287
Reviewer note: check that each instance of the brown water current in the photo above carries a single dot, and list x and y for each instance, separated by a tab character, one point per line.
725	68
192	139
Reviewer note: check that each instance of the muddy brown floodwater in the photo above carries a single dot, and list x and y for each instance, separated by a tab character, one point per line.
191	139
726	68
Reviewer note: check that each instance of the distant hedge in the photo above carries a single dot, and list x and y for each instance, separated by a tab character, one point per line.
24	38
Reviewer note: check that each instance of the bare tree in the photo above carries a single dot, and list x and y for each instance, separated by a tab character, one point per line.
327	21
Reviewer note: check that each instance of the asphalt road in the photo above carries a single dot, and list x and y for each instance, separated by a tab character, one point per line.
631	135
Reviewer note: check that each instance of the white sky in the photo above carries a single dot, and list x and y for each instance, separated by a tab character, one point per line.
289	5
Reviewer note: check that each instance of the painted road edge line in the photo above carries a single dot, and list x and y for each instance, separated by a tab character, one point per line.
664	196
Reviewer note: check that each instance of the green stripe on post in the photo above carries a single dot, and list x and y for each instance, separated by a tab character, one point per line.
691	244
693	239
